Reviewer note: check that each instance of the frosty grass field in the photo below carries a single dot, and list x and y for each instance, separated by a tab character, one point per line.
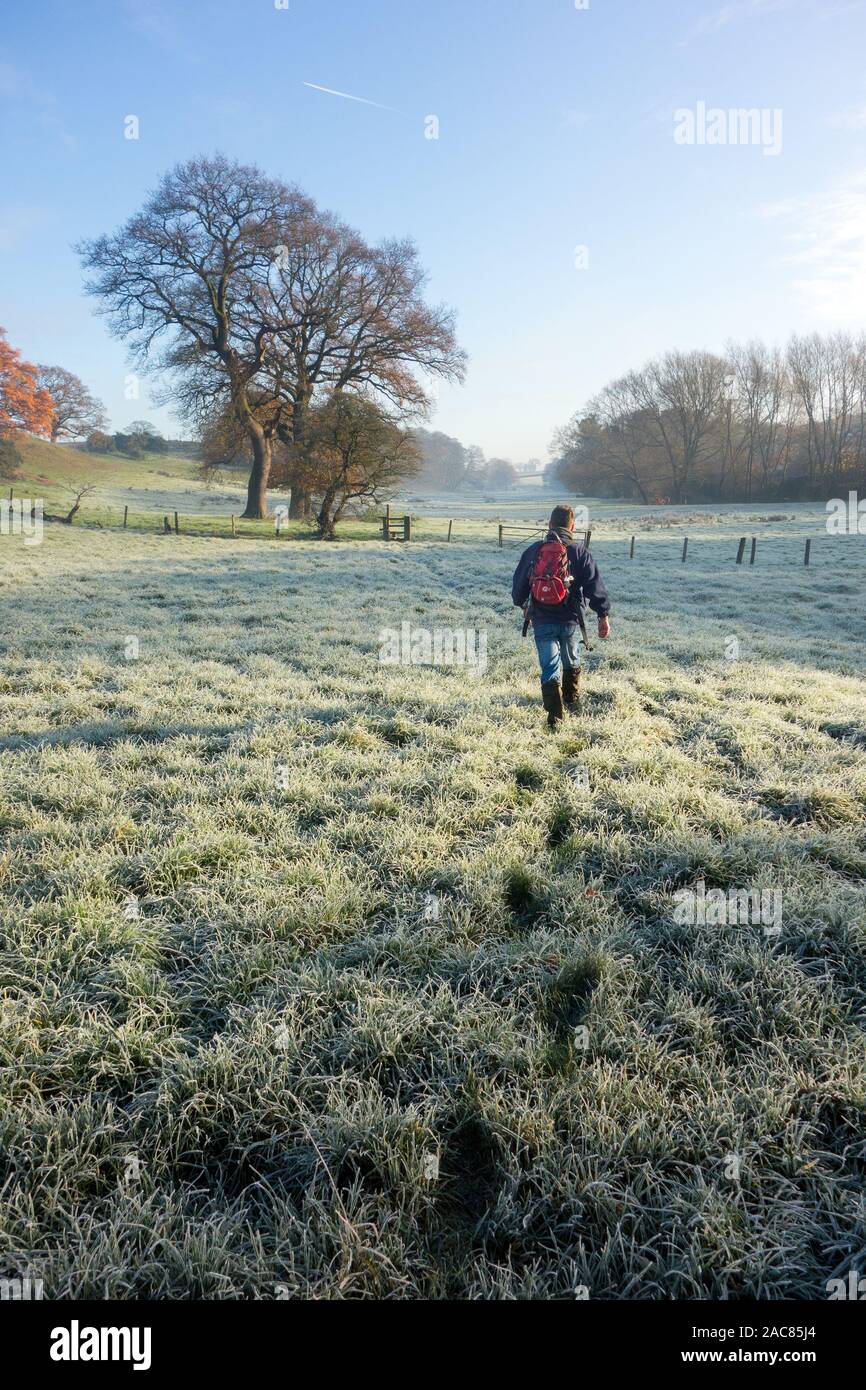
329	978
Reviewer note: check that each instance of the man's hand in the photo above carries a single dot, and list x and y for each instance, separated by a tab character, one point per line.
604	627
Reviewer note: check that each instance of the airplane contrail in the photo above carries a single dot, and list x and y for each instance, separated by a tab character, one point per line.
348	97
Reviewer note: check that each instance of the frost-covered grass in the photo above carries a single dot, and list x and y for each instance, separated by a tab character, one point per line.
283	926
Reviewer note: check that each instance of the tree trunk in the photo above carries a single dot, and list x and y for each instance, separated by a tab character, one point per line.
300	503
257	488
327	518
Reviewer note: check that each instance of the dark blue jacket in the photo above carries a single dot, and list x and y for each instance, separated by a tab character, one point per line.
588	586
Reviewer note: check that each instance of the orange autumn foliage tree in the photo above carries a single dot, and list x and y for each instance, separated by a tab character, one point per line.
24	407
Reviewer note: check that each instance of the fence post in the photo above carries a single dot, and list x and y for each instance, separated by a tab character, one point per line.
407	528
685	548
500	535
125	515
166	525
741	550
176	525
587	538
233	523
808	552
450	524
752	552
631	549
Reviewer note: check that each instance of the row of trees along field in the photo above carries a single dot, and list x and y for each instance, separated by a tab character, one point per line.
257	310
756	422
136	440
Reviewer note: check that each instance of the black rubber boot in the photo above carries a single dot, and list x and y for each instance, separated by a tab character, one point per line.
551	697
571	687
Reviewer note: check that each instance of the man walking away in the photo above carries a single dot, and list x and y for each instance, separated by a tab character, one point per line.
551	583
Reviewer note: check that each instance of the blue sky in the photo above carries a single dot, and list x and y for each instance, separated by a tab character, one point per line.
556	131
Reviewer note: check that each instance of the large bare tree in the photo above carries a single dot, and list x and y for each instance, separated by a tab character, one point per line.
238	291
76	412
345	315
182	280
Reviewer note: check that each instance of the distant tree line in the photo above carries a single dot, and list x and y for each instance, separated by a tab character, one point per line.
447	464
756	422
138	439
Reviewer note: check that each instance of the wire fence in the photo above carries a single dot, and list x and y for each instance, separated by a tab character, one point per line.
675	546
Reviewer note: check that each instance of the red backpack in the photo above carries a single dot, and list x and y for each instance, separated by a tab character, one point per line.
551	575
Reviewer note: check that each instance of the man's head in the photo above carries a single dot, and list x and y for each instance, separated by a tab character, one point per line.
562	519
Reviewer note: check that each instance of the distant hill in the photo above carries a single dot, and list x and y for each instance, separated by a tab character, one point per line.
52	465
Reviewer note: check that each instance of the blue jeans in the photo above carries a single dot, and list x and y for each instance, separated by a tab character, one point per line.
558	646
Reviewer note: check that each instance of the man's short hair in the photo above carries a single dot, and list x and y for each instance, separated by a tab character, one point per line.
562	516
